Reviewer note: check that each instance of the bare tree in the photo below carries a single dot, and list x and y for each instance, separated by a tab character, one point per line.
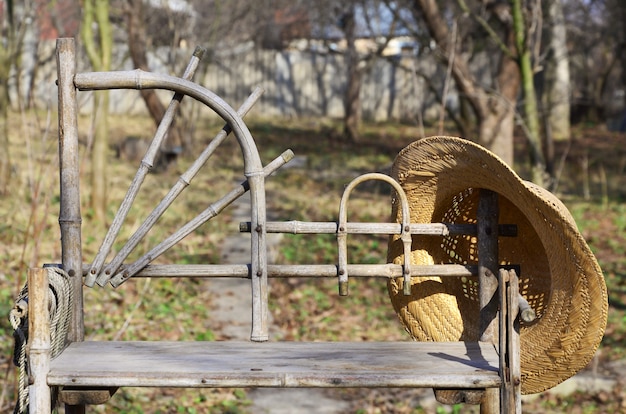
352	98
348	22
99	47
531	114
6	57
137	46
557	74
594	55
493	105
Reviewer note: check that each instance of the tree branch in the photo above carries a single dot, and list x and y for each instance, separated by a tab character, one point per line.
487	27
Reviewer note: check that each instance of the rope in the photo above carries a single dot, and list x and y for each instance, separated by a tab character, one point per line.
60	299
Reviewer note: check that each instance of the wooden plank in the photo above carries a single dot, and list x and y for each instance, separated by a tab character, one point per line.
276	364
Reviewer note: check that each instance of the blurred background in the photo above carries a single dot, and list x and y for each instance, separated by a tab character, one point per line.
348	83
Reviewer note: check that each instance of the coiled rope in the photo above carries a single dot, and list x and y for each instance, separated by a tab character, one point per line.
59	305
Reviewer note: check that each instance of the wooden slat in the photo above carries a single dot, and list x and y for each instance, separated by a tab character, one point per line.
427	229
309	270
276	364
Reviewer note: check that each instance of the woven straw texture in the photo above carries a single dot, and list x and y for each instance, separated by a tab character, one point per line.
560	277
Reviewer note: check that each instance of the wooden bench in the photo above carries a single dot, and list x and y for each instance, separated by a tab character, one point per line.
89	372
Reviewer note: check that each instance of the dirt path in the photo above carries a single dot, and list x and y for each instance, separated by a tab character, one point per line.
231	306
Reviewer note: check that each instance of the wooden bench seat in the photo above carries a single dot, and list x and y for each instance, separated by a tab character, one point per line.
276	364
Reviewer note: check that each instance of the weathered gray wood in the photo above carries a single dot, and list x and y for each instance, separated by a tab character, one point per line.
210	212
487	222
138	79
427	229
342	234
183	182
277	364
144	168
76	396
304	270
69	214
487	235
510	343
39	341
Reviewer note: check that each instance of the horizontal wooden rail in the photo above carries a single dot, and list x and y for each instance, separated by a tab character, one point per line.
429	229
304	270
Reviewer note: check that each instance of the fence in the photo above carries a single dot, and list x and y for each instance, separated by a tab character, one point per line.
296	83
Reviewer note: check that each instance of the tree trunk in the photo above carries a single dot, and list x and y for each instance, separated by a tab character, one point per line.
494	111
531	114
97	11
98	156
5	158
352	98
5	69
137	45
622	50
557	76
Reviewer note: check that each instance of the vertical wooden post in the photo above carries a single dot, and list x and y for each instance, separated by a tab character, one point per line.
69	215
38	342
487	223
258	265
510	342
488	265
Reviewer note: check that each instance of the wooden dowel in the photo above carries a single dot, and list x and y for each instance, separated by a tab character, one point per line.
302	270
429	229
212	211
174	192
144	168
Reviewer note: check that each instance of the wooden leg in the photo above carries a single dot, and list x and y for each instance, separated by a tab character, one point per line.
39	342
491	401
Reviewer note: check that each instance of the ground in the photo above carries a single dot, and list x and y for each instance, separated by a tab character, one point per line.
590	175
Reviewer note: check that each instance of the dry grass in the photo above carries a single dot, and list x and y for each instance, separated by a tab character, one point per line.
177	309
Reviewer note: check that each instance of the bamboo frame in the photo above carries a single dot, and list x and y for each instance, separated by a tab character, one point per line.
144	168
183	182
487	230
253	168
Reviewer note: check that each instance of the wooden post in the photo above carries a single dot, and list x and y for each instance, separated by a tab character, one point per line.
69	215
510	395
258	262
487	217
488	265
39	341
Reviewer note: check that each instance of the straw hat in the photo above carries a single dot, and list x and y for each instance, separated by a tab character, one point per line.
560	277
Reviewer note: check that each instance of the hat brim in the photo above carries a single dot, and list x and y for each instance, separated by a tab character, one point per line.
560	276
